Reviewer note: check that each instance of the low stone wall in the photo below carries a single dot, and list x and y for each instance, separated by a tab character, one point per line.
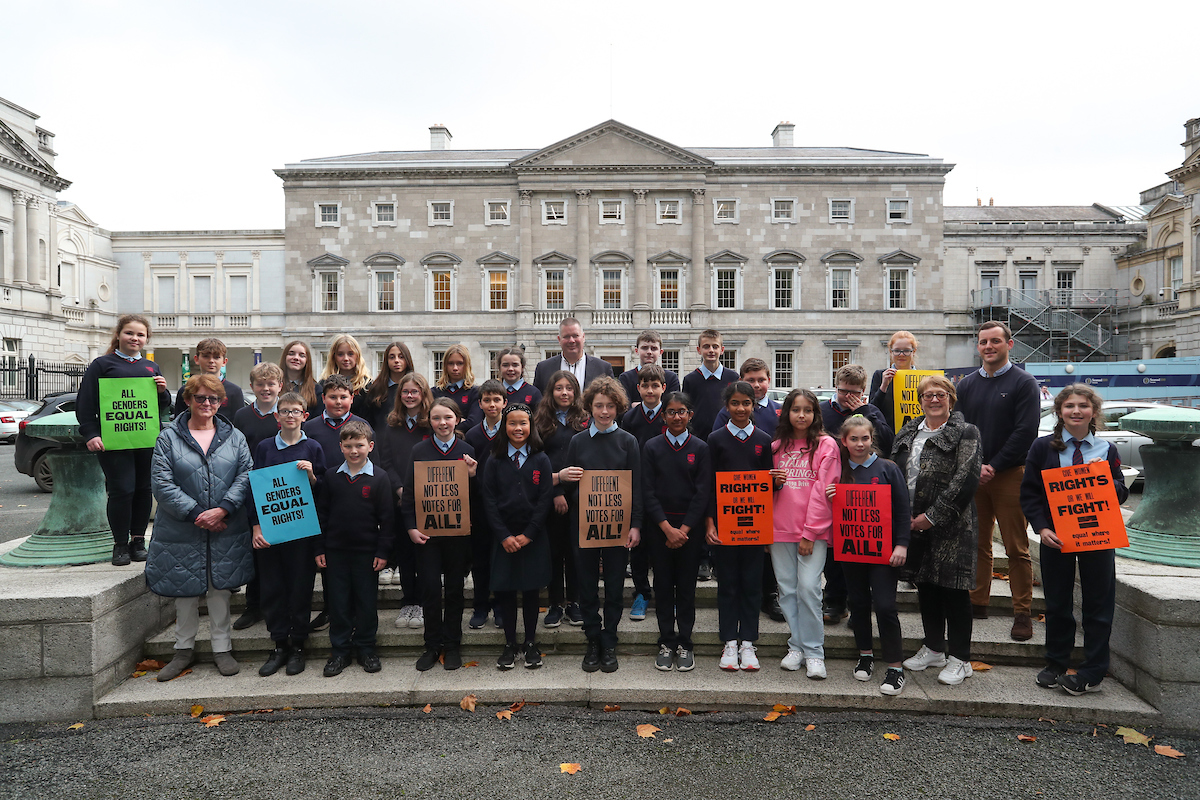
70	634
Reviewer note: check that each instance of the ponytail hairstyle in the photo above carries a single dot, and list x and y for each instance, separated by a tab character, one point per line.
1087	393
500	444
398	414
121	323
545	418
855	421
785	436
379	387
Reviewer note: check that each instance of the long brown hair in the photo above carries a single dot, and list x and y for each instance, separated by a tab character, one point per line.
785	434
308	387
121	323
1087	393
545	417
378	390
854	421
468	374
398	414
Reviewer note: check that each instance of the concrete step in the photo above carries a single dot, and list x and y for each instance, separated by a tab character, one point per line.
1003	691
990	639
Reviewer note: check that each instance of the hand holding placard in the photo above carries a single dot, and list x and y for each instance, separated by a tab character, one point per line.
862	523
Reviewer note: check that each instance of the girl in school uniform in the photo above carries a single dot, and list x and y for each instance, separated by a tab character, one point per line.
1073	442
441	560
875	584
518	491
558	418
457	382
407	425
678	481
297	365
126	472
345	358
806	461
737	447
381	394
510	363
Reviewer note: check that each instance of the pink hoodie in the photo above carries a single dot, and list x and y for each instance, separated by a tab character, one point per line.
801	509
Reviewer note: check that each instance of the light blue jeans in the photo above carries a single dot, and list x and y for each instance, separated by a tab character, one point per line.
799	579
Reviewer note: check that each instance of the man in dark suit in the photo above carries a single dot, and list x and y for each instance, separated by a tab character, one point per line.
585	368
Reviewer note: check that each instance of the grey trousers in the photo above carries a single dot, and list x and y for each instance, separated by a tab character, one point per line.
187	620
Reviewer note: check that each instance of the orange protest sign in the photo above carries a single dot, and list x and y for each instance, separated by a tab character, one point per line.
1083	503
605	507
862	523
443	493
744	507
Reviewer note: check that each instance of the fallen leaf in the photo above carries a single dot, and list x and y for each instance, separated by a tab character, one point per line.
892	737
1161	749
75	727
647	731
442	658
1000	576
1040	617
517	706
772	716
150	665
1021	737
1072	671
1094	732
682	712
664	710
428	707
139	673
1045	719
787	711
612	708
668	740
570	769
286	708
980	666
187	671
468	703
212	720
505	714
471	664
258	711
197	710
1133	737
810	727
1101	724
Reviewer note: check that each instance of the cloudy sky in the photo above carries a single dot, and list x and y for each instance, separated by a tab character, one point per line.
171	116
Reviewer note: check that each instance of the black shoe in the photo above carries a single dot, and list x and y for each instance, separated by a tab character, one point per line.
275	661
1048	677
452	658
608	660
508	658
496	618
336	664
478	619
120	557
369	661
295	662
666	657
533	655
1077	685
554	617
320	622
864	668
251	617
574	615
832	615
705	573
772	608
137	549
428	659
591	659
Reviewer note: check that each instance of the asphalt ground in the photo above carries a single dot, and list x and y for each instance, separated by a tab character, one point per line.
22	504
450	753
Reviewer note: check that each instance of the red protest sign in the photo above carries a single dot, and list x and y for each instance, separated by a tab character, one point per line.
744	507
1083	503
862	523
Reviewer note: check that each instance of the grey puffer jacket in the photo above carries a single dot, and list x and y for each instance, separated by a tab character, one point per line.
186	481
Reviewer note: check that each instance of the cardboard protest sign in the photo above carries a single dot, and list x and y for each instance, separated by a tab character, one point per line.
745	504
128	413
862	523
443	493
605	507
283	499
904	393
1083	503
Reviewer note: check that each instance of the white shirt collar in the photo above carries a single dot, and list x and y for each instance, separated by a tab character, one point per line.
873	458
523	450
368	469
444	446
593	430
562	416
1007	366
274	407
491	432
133	359
512	387
652	412
339	420
454	387
678	441
280	444
740	433
715	373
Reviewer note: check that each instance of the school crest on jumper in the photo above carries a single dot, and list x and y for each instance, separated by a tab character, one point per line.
691	458
367	492
537	477
758	449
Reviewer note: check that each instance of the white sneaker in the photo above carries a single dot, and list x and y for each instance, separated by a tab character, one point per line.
816	668
925	658
403	617
955	672
395	576
747	657
417	620
729	658
792	661
385	576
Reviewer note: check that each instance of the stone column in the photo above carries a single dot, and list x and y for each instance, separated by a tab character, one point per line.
641	282
697	296
220	304
33	252
52	248
20	242
184	289
255	283
525	274
583	246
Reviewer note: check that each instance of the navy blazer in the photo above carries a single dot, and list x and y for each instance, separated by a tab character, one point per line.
592	368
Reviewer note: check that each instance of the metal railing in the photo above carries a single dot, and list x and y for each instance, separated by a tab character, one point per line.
34	378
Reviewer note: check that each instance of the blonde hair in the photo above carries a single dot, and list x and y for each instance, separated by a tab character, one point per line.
266	371
468	375
361	377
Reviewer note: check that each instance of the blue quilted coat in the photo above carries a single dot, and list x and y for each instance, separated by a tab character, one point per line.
186	481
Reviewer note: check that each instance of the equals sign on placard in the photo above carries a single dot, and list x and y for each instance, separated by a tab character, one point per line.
1089	521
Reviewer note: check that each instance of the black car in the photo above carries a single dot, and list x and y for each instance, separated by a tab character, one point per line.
30	455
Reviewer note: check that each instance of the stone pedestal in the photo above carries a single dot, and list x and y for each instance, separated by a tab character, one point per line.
1165	528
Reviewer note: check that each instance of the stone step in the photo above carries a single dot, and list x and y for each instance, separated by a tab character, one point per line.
1003	691
990	639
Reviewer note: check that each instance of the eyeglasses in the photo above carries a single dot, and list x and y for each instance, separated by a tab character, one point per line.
903	352
206	399
290	412
676	412
849	391
934	396
411	393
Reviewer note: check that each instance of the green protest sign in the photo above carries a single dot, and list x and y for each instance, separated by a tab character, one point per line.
128	413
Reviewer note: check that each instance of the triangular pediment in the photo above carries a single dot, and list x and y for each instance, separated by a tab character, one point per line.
327	260
1171	202
74	213
554	257
16	148
612	144
726	256
498	257
669	257
899	257
843	256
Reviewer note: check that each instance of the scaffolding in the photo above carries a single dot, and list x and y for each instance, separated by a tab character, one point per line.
1054	324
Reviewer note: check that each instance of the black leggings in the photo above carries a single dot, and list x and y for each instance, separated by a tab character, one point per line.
946	618
530	604
127	476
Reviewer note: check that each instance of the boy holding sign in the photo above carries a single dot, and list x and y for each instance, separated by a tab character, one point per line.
285	569
1077	407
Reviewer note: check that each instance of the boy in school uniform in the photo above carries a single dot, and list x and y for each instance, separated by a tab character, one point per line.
492	399
285	571
648	349
755	372
257	422
338	396
705	384
645	421
354	505
210	358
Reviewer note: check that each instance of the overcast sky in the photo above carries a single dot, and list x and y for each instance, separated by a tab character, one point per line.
171	116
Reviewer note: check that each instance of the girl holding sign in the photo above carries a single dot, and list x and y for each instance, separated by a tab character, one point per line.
345	358
806	461
126	471
875	584
902	354
1078	408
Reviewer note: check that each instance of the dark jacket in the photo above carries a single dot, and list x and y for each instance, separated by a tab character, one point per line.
592	368
518	502
945	554
1042	456
186	481
883	399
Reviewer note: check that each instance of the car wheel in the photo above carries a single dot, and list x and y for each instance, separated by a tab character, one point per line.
41	473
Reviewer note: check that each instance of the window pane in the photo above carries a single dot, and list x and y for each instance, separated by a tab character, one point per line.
438	355
839	292
783	369
839	209
726	209
668	288
441	212
897	288
1176	273
329	291
837	360
729	359
555	210
612	288
726	288
441	290
669	359
897	209
329	213
498	290
203	290
668	210
783	209
494	370
385	286
385	212
555	289
784	285
611	209
497	212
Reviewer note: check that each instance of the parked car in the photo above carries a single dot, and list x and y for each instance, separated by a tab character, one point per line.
11	414
30	453
778	395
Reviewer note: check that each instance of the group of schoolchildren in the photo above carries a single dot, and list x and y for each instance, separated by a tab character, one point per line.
358	439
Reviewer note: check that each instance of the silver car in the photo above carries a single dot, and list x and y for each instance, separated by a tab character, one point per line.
1129	444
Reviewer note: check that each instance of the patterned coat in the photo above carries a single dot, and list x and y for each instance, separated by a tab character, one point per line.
945	554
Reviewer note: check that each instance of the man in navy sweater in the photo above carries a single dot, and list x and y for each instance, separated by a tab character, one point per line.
1003	401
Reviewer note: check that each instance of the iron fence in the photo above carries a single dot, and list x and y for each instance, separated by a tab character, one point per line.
34	378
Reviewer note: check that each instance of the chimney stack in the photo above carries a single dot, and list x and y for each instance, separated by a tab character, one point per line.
439	137
782	135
